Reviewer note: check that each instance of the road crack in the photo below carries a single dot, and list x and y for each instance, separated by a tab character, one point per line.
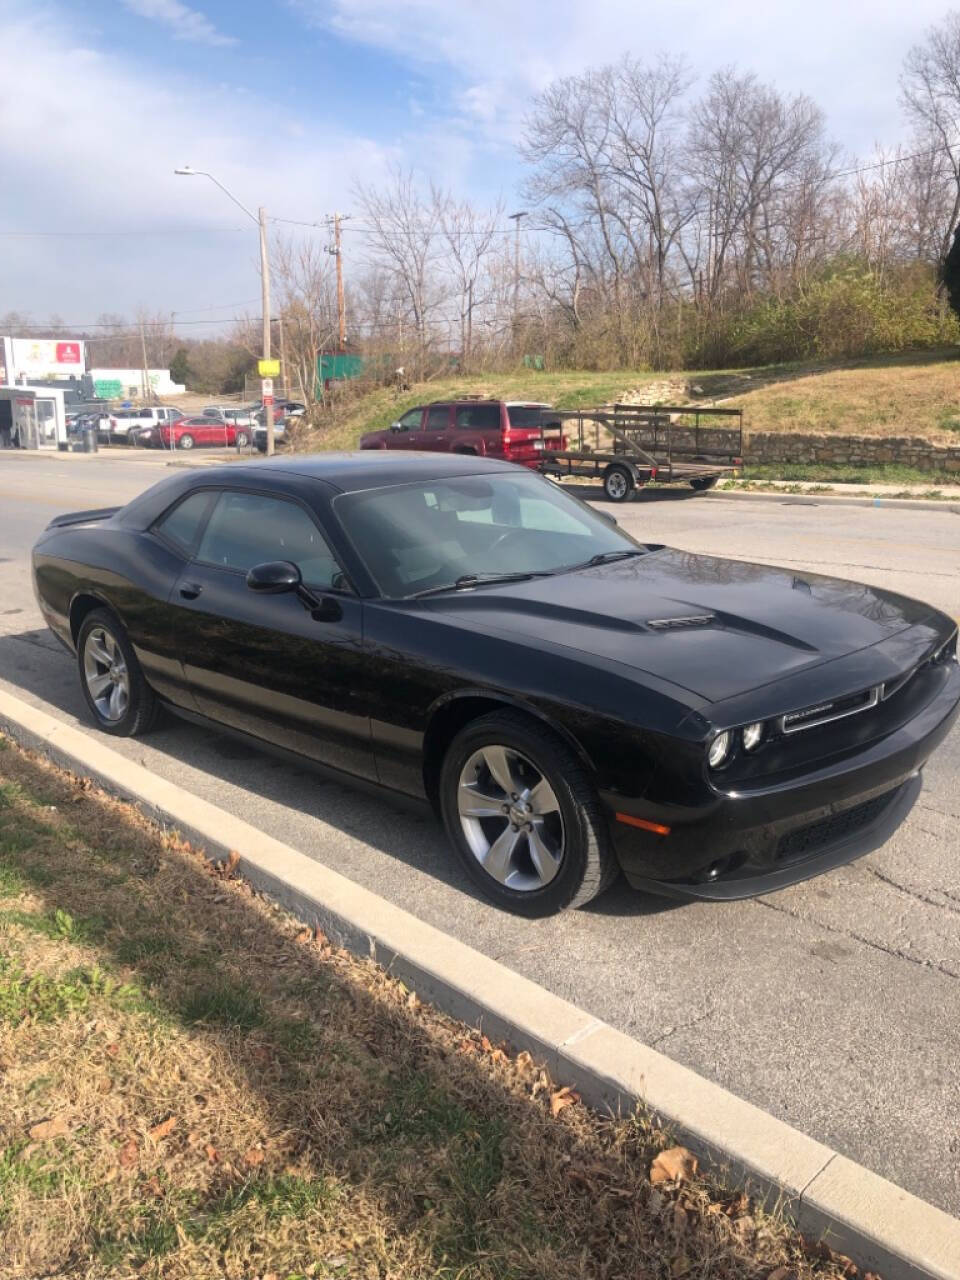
913	893
682	1026
937	965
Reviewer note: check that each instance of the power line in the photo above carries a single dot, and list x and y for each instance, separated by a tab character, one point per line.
172	231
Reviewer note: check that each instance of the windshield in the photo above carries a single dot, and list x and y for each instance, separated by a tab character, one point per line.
416	537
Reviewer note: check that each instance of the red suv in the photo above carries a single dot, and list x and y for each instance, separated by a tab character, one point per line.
504	429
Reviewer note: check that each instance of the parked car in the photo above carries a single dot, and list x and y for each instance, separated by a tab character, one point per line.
504	429
571	700
240	417
186	433
123	426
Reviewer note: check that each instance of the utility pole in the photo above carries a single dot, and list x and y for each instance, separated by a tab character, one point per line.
341	309
515	219
265	307
145	375
337	252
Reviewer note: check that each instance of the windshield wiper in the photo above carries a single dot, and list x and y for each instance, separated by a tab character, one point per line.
603	557
481	579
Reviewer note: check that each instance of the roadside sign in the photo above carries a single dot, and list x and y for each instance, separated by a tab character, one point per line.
268	368
268	400
266	387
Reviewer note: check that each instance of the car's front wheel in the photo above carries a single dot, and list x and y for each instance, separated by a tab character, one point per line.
523	816
185	442
121	701
242	439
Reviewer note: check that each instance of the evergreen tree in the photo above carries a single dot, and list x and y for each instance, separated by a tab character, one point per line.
180	367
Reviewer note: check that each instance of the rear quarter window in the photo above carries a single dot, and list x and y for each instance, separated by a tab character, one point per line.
181	525
478	417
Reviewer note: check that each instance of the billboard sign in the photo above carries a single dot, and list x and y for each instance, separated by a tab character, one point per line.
43	358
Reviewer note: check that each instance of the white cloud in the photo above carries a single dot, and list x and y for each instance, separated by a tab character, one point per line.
495	53
96	150
184	23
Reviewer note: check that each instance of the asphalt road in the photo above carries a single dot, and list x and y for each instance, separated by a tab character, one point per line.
834	1004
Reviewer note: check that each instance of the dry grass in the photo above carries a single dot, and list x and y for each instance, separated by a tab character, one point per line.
911	395
226	1095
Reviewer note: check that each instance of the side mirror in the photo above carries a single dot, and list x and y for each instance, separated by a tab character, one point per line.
274	577
395	426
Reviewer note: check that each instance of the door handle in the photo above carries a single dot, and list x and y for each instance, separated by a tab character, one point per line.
190	590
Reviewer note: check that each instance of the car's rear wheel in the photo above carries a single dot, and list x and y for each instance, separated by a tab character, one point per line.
117	694
524	817
242	439
617	483
185	442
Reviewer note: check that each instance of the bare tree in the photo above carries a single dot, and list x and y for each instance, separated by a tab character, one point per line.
403	227
469	237
930	92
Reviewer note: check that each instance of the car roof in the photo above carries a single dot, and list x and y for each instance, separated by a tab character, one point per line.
378	468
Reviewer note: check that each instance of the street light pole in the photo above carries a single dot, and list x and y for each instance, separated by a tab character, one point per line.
265	308
260	217
515	219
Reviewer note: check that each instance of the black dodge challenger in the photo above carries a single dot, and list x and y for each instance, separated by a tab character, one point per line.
572	701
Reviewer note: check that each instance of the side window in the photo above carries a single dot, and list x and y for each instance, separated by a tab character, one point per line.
181	524
411	421
247	529
478	417
438	415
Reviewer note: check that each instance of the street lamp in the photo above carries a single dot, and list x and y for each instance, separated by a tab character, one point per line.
515	219
260	217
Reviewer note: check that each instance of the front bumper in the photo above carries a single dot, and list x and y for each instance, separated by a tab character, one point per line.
758	840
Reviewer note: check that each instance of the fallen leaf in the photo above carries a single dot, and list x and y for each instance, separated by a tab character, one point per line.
270	1275
523	1061
412	1000
320	938
213	1155
304	936
152	1185
338	1260
113	1050
105	1085
467	1046
674	1165
253	1157
129	1153
782	1273
231	864
164	1129
44	1130
485	1044
564	1097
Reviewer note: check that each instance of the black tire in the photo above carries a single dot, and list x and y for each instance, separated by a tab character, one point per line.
186	441
587	864
702	483
618	483
142	707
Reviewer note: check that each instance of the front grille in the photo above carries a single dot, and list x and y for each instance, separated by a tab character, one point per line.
807	840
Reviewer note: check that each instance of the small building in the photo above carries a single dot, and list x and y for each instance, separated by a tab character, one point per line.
127	384
32	418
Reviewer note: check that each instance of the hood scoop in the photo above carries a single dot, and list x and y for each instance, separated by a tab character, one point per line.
682	622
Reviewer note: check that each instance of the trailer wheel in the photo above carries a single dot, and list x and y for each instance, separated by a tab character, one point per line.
618	483
703	483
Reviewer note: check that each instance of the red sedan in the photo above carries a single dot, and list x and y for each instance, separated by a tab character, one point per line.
189	432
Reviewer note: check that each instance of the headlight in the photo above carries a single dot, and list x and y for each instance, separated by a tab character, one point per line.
719	749
752	734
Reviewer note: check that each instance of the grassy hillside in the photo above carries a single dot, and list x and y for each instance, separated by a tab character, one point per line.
910	395
565	390
913	394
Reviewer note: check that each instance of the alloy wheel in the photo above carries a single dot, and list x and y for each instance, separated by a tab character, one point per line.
106	675
511	818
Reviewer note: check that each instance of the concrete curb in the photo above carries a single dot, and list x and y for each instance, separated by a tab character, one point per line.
835	500
882	1227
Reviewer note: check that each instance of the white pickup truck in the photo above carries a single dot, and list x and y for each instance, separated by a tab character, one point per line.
121	425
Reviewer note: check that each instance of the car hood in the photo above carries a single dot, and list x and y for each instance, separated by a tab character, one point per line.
715	627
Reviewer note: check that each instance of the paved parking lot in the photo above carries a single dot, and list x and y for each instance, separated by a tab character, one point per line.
834	1004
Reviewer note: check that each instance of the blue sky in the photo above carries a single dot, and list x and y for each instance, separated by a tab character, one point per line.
290	103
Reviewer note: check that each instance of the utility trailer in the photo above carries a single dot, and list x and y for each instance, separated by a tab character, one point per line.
627	446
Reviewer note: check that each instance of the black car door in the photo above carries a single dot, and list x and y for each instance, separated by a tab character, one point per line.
263	663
